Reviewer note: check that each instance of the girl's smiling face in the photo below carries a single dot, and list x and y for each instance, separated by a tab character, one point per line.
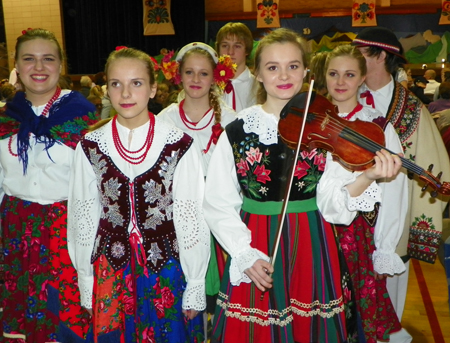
39	66
281	71
129	89
197	76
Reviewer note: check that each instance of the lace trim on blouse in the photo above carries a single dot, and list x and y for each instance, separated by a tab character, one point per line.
244	260
366	201
172	135
387	263
264	124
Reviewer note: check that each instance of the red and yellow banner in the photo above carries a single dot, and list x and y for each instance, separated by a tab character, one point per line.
157	19
445	14
267	13
363	13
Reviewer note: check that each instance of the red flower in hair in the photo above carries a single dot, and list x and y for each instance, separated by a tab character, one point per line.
224	71
120	47
25	31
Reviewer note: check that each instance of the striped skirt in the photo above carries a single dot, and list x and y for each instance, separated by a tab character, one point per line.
311	299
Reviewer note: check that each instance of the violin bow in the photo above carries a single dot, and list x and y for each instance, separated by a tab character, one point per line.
290	181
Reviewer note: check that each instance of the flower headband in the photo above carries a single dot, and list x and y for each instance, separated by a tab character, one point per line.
223	72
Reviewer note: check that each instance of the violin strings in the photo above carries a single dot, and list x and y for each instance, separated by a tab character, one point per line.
368	144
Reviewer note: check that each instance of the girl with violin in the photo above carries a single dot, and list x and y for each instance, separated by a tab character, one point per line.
305	296
370	239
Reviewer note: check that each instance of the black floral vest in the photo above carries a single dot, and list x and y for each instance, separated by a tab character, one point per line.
263	170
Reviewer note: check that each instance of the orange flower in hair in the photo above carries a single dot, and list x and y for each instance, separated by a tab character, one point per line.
169	68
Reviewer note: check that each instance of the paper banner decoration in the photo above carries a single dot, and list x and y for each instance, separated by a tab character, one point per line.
267	13
445	14
363	13
157	19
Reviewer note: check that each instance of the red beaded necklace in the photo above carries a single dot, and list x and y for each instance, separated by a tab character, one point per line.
189	124
128	155
43	113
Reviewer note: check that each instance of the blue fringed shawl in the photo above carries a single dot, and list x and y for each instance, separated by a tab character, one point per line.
65	109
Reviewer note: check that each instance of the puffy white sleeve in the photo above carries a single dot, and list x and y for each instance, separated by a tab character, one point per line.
84	209
191	229
333	198
222	207
391	216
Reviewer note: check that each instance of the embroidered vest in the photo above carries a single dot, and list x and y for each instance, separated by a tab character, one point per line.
404	112
263	170
152	194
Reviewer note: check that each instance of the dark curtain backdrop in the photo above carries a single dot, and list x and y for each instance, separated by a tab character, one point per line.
93	28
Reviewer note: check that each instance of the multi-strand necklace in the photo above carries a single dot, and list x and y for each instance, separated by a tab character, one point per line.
44	113
132	156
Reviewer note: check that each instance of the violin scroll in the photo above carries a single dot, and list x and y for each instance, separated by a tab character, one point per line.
434	182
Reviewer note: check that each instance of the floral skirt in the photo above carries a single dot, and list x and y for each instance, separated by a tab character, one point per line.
311	299
40	296
373	301
129	306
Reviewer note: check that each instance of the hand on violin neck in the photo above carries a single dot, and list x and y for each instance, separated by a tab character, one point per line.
386	165
260	273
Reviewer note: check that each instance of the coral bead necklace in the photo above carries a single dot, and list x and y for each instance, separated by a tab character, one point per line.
128	155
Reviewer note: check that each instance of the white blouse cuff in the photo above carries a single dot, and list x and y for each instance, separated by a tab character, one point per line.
244	260
194	297
366	201
86	285
387	263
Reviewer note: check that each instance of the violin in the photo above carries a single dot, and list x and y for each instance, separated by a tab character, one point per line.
353	144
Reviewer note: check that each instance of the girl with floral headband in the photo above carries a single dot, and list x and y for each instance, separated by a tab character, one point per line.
38	133
137	236
203	116
306	296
